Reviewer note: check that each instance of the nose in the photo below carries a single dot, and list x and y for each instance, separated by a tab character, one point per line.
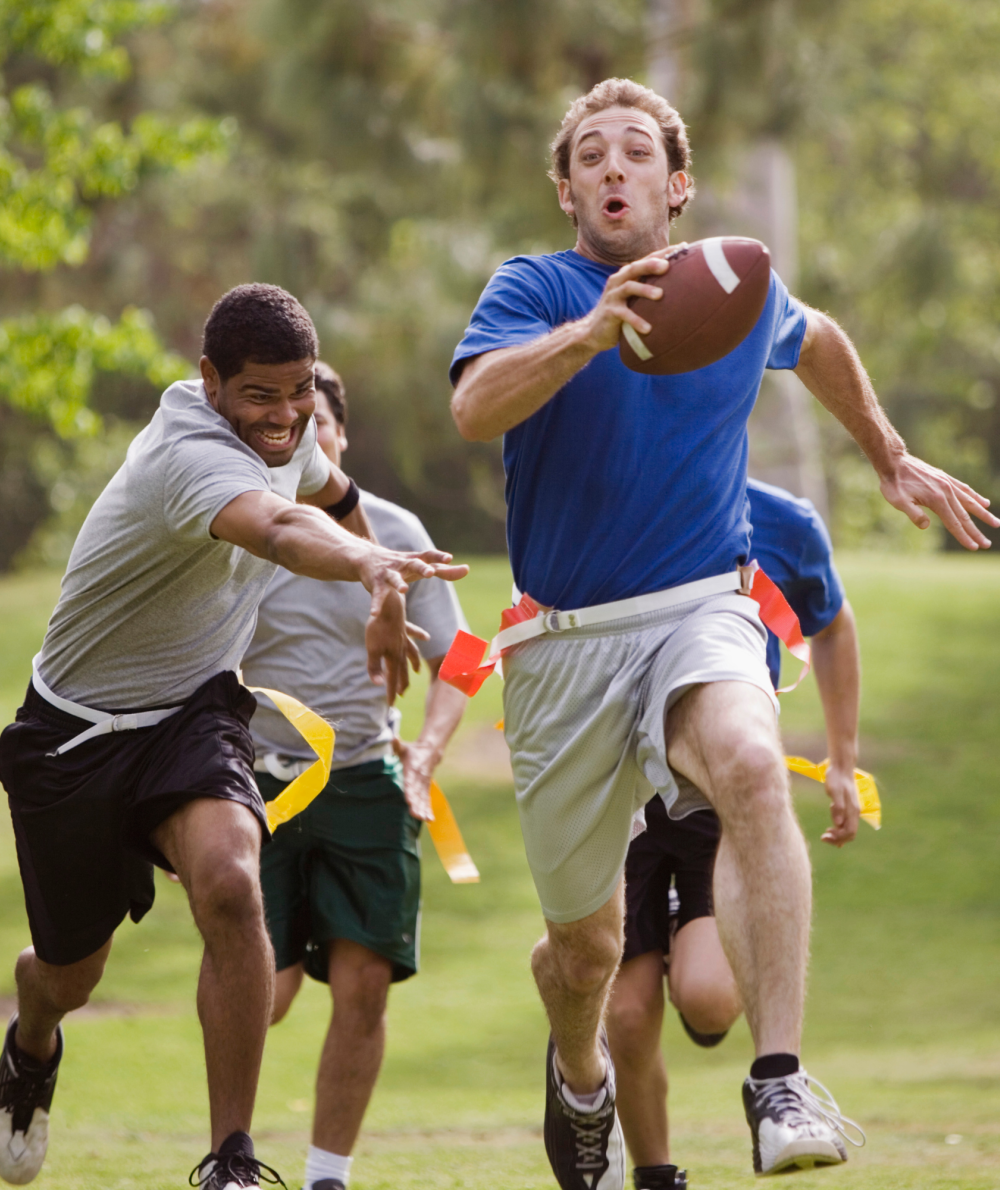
615	170
285	413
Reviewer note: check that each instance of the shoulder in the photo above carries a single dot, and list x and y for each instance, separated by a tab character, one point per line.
396	527
786	524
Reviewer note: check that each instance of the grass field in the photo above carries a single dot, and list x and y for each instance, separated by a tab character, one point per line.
902	1020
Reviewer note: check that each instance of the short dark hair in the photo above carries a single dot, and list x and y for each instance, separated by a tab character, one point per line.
328	382
261	324
625	93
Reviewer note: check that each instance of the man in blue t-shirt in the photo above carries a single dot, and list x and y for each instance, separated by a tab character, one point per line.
668	874
622	485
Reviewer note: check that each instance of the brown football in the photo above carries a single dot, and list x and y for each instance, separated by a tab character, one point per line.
713	294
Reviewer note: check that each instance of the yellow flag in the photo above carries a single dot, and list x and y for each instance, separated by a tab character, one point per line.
319	735
448	841
871	807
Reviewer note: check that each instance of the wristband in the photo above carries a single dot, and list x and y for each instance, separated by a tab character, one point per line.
345	506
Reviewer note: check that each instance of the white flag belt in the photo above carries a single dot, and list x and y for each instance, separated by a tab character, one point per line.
103	721
601	613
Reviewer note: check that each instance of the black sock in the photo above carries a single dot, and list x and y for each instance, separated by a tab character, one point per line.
237	1142
774	1066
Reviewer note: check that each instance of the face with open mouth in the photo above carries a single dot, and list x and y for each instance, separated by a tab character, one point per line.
268	405
620	188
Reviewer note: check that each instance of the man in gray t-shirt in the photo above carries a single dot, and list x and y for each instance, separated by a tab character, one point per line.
133	745
341	881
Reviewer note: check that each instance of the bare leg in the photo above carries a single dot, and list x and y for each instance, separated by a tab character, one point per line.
352	1053
573	966
45	993
702	987
215	847
635	1016
723	737
287	983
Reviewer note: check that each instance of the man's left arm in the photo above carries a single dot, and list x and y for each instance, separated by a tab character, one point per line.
830	368
837	666
442	714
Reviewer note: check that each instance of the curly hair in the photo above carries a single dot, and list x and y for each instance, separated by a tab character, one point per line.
625	93
328	382
261	324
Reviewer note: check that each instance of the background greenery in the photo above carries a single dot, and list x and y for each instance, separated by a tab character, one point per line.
902	1015
380	159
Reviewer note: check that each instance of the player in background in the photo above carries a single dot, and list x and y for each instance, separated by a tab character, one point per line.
341	880
133	746
675	925
620	485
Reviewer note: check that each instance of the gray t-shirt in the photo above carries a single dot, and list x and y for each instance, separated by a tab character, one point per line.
310	643
152	605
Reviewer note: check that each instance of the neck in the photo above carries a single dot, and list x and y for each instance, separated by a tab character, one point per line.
630	248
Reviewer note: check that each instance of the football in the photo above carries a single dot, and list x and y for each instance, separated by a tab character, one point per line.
713	294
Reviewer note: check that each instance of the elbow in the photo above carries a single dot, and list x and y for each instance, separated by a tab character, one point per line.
463	412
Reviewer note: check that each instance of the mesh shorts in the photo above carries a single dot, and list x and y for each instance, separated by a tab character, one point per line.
584	716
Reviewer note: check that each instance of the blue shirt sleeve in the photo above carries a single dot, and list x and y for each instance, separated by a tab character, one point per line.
789	326
816	593
516	307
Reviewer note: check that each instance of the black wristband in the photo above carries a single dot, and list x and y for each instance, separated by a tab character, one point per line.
347	505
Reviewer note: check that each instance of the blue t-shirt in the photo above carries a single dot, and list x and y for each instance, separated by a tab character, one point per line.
793	548
623	484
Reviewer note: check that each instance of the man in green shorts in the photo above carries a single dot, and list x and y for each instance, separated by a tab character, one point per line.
341	880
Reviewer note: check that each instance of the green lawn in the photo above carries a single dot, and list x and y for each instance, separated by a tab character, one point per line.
902	1020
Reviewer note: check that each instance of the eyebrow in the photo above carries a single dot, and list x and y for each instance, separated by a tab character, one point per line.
269	389
629	128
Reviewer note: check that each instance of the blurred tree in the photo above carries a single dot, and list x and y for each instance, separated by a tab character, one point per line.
58	161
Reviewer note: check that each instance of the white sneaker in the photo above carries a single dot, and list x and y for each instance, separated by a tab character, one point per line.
792	1127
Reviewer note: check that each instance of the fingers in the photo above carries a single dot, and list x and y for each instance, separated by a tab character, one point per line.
413	655
845	811
450	573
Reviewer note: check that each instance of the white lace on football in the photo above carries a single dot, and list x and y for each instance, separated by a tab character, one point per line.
796	1102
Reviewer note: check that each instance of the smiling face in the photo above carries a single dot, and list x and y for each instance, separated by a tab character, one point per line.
620	189
268	405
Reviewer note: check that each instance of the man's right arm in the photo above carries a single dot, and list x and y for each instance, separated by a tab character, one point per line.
306	541
500	389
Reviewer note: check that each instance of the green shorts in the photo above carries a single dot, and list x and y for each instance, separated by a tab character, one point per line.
348	866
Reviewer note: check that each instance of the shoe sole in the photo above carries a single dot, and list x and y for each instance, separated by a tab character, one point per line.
804	1154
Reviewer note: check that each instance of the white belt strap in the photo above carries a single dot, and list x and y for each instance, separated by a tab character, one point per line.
272	763
601	613
104	723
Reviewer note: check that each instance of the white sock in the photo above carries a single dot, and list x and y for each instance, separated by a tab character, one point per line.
320	1164
586	1103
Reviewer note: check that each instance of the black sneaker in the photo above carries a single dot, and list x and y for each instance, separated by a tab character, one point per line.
26	1089
585	1149
327	1184
234	1167
659	1177
792	1127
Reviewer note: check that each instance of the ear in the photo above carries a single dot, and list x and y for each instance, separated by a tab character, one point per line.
213	383
677	187
341	437
566	196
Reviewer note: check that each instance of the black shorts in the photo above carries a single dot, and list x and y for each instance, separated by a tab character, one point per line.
83	820
682	851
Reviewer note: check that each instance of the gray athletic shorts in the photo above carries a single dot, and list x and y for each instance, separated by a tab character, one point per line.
584	718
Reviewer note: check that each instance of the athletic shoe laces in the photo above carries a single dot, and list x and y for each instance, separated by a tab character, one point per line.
21	1091
588	1138
793	1100
234	1167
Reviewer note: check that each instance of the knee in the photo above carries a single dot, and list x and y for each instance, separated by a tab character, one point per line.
707	1006
631	1020
286	987
64	988
226	889
754	784
583	965
362	992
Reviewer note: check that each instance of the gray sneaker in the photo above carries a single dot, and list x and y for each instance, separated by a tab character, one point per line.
792	1127
585	1149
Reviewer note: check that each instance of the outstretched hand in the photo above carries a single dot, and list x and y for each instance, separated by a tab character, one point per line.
915	485
389	639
